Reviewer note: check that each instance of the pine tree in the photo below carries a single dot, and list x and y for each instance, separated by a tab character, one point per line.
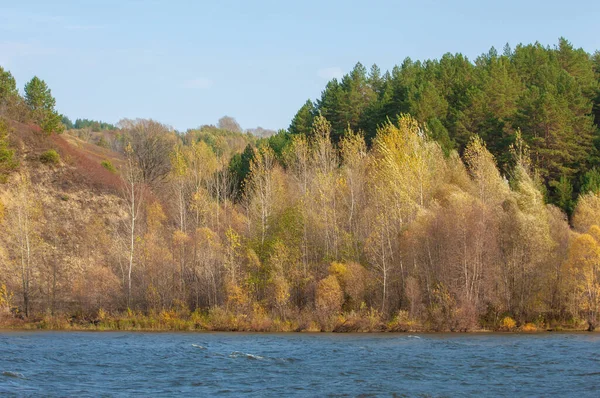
303	120
41	103
8	86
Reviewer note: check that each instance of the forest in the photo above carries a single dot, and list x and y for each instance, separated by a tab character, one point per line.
443	195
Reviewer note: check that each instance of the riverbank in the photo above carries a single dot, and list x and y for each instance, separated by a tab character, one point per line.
221	320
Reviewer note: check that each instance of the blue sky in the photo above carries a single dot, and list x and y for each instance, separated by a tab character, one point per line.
187	63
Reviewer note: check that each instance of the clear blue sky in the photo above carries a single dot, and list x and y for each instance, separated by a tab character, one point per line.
187	63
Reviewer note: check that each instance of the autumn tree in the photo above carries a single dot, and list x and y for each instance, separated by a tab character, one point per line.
133	194
151	143
261	190
23	222
230	124
584	265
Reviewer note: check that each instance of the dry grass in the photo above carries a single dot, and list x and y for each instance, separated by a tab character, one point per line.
87	160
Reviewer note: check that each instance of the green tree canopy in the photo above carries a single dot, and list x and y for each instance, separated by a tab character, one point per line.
8	86
40	101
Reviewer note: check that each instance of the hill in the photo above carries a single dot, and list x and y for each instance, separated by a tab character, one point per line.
392	227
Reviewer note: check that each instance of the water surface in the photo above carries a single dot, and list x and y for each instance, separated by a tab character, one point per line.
229	364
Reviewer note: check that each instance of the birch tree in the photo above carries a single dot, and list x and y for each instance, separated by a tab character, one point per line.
23	216
133	194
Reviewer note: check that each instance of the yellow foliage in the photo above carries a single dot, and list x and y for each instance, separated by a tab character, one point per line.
281	291
180	237
584	265
338	269
178	162
155	216
5	297
507	323
491	187
587	212
233	239
529	327
236	296
102	315
329	297
168	316
351	278
594	232
206	236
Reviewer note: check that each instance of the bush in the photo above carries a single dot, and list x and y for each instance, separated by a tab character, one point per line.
50	157
529	327
507	324
8	161
108	166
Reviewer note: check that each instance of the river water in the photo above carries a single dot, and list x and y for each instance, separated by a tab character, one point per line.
230	364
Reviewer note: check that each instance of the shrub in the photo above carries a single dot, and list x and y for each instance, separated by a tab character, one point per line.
329	296
402	322
50	157
8	161
507	323
103	143
108	166
529	327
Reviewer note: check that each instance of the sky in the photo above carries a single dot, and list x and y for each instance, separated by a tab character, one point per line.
187	63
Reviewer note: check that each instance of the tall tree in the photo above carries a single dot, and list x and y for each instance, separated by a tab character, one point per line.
151	143
230	124
133	194
41	103
8	87
23	220
303	120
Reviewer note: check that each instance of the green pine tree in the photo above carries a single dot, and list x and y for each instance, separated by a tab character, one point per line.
303	120
40	101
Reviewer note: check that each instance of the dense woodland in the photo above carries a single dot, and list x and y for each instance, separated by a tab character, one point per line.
443	195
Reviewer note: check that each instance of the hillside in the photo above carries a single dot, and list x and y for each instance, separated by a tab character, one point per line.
65	201
328	226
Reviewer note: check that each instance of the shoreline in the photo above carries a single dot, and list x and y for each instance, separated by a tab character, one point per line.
34	327
222	320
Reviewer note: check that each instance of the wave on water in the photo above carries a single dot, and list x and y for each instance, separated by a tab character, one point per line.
239	354
410	336
15	375
254	357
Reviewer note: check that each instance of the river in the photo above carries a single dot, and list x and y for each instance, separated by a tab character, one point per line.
232	364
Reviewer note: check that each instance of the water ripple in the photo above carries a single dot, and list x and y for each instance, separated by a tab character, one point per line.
258	365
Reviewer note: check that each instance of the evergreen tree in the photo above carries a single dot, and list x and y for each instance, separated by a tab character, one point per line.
302	121
357	94
591	181
329	105
8	86
67	122
551	94
239	166
40	101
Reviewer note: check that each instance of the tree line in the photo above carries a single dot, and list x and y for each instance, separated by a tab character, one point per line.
327	226
550	94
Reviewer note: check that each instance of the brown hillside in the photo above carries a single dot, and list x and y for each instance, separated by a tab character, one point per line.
81	162
80	207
